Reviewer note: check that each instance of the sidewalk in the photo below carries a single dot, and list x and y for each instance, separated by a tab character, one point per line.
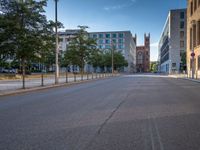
184	76
10	87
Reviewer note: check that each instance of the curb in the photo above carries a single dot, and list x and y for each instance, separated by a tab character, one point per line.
193	80
33	89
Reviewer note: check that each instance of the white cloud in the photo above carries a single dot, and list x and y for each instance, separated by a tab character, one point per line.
120	6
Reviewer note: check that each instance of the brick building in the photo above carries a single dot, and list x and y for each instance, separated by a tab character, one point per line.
143	54
193	41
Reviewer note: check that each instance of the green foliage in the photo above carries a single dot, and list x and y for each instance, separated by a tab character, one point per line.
154	66
25	34
80	49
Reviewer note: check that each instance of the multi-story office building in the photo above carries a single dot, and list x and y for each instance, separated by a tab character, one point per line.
65	38
172	44
122	41
193	38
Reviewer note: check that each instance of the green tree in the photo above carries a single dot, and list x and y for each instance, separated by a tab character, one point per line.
80	49
25	32
154	66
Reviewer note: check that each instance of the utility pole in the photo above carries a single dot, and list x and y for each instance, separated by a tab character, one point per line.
56	51
112	51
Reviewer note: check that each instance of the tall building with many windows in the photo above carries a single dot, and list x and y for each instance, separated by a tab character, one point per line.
172	44
193	36
122	41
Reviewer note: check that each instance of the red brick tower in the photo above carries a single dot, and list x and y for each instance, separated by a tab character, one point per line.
143	54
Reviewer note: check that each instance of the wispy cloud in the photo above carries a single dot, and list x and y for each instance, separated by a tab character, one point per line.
120	6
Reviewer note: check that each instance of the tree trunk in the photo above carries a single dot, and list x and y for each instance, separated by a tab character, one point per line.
66	75
74	77
23	73
82	70
42	79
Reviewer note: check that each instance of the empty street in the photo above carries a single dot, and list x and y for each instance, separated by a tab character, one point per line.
130	112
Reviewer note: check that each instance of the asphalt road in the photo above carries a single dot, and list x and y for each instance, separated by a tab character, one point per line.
121	113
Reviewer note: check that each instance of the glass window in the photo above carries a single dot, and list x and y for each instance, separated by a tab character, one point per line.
198	62
181	44
114	35
191	8
121	35
101	36
94	36
120	46
100	46
120	41
107	46
173	65
100	41
107	35
182	23
182	15
198	35
195	5
114	41
107	41
182	33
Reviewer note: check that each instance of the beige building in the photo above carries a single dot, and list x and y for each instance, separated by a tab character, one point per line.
193	41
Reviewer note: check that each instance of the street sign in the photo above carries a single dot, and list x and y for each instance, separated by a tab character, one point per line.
192	54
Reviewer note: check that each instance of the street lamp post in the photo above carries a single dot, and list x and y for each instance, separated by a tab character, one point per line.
56	51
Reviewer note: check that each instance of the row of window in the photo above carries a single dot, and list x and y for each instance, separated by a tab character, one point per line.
195	35
120	46
193	6
107	35
108	41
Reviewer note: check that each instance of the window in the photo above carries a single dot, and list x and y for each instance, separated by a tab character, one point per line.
191	39
182	15
121	35
107	46
195	5
121	46
107	41
182	33
101	36
191	8
173	65
194	36
198	34
120	41
198	62
114	35
94	36
182	23
100	41
181	44
114	41
107	35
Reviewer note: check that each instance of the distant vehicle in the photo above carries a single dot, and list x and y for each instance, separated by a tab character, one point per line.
3	70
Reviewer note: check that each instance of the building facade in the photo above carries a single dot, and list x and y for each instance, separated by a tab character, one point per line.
172	44
122	41
143	55
193	36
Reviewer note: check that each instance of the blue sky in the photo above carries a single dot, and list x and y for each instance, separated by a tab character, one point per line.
138	16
